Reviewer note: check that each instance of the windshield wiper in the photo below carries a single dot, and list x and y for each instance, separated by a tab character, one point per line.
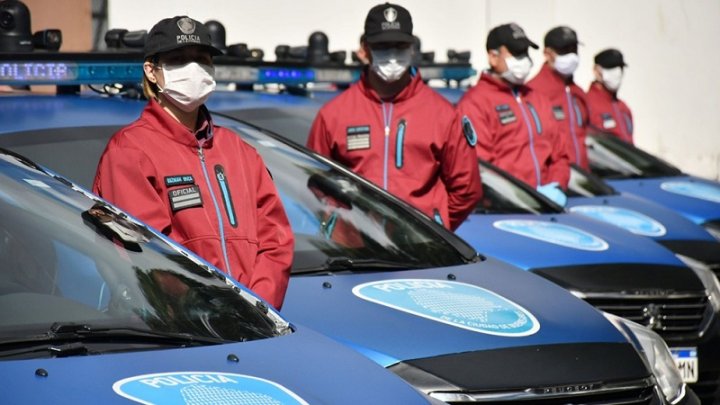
66	339
334	264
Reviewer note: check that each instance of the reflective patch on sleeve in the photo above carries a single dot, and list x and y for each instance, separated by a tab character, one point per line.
469	131
185	197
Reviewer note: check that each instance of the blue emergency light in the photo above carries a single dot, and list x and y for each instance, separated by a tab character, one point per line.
73	69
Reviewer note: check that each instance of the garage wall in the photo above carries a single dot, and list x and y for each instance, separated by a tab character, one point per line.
671	48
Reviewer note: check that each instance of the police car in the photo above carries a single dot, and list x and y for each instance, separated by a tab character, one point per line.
97	308
632	170
371	272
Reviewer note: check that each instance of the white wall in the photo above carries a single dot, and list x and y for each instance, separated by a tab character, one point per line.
671	47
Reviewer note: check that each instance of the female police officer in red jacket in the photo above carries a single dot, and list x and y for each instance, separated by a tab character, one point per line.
196	182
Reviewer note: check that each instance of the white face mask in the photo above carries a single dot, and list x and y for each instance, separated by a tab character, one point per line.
517	69
612	77
391	64
566	64
188	86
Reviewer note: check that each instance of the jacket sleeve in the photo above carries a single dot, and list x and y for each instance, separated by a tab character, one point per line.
559	165
460	173
271	272
125	177
470	113
319	138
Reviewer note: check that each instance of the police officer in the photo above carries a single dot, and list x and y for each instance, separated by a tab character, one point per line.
514	125
555	81
397	132
196	182
607	112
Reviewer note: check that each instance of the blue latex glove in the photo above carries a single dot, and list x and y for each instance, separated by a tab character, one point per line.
553	192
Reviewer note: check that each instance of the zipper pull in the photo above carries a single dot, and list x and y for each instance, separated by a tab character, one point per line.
201	154
387	131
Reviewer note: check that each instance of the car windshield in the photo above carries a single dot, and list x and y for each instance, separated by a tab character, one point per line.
340	221
503	194
70	259
586	184
613	158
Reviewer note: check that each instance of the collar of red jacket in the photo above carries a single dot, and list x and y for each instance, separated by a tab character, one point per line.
489	79
409	91
156	115
598	90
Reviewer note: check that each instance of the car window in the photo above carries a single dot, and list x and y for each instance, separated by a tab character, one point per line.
586	184
66	258
611	157
503	194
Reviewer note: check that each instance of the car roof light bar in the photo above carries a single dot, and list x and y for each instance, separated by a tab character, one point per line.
69	69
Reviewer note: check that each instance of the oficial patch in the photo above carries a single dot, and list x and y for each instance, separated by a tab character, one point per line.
608	121
179	180
185	197
469	131
358	137
505	114
558	112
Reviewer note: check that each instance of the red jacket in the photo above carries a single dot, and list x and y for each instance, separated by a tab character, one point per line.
421	155
569	110
608	113
516	131
201	193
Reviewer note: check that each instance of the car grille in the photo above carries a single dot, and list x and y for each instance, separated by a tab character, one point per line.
673	317
640	393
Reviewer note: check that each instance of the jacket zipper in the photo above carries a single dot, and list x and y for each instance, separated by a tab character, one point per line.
571	113
387	120
399	142
227	197
530	135
201	154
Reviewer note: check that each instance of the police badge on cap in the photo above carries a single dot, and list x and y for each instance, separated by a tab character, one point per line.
173	33
388	23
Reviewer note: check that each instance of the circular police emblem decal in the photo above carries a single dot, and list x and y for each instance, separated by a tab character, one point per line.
390	14
701	191
558	234
629	220
453	303
186	25
202	387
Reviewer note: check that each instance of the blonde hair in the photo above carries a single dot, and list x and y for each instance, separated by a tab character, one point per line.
150	89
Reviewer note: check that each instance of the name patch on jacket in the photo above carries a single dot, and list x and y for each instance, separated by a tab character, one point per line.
505	114
358	137
608	121
558	112
185	197
179	180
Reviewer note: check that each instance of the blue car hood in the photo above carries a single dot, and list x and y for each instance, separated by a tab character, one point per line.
695	198
537	241
270	371
394	316
640	216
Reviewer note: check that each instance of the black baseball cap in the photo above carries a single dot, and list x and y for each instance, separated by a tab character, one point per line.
176	32
510	35
610	58
388	23
561	38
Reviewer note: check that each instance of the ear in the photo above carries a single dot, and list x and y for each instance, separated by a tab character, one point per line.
366	50
149	70
548	54
597	72
493	58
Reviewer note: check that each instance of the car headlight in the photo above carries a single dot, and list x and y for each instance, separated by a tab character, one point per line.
657	355
708	278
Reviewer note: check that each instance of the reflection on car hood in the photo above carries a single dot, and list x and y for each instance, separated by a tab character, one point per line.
400	315
695	198
538	241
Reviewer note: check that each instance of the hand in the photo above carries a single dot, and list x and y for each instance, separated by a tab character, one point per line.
553	192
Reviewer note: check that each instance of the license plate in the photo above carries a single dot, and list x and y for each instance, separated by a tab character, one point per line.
686	361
